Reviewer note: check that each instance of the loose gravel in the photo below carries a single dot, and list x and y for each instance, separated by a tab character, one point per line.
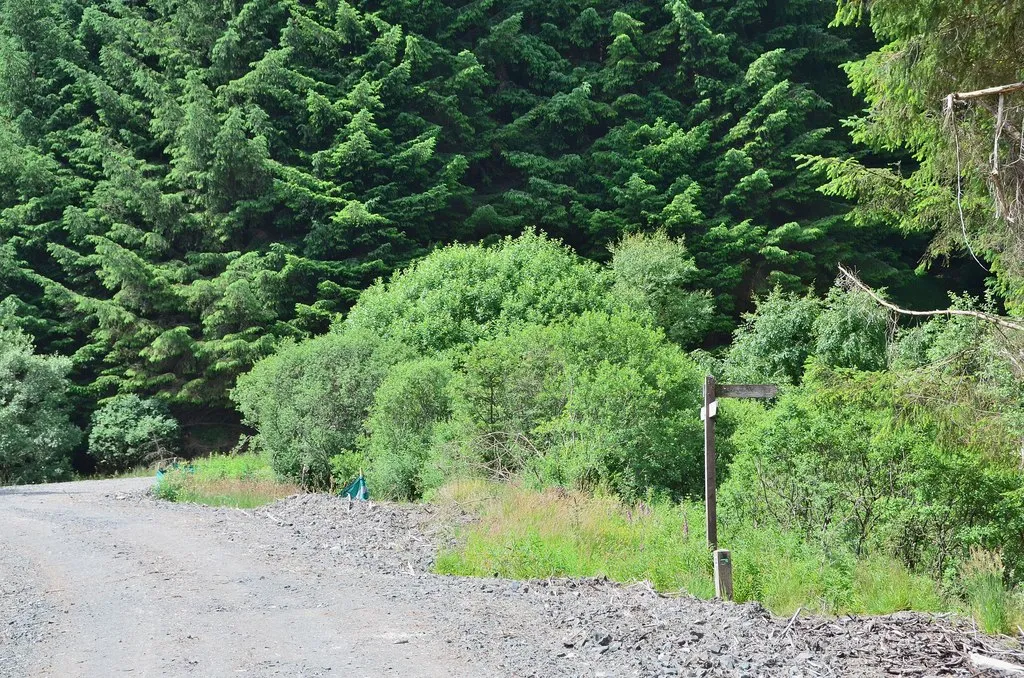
592	627
24	614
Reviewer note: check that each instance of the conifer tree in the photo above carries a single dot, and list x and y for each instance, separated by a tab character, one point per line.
184	183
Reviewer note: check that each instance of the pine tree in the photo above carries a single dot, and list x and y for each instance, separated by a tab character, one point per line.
184	183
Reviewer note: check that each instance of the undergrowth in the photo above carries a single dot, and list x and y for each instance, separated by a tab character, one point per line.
240	481
524	534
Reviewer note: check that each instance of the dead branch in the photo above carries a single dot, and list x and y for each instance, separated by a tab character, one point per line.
998	89
1012	130
987	317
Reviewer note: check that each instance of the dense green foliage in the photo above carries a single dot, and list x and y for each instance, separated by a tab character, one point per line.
842	330
517	360
965	182
129	431
911	450
462	294
183	184
36	432
846	459
310	399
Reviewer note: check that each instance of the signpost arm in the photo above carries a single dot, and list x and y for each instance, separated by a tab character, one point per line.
709	463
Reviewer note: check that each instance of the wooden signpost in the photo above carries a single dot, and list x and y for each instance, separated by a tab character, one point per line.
722	557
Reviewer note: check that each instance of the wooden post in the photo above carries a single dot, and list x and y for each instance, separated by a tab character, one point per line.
723	574
708	414
722	559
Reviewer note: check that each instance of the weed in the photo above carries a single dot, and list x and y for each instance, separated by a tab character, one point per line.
240	481
529	535
992	605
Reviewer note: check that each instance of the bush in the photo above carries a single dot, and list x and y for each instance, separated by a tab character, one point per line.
467	326
599	401
36	433
410	402
128	431
652	276
851	331
850	460
775	340
846	329
310	399
463	293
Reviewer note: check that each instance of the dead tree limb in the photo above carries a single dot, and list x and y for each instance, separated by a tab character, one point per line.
987	317
999	89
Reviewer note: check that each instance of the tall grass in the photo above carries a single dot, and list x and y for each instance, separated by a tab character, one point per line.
995	608
525	534
241	481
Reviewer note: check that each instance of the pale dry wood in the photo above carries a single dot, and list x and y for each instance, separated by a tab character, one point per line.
987	317
991	663
998	89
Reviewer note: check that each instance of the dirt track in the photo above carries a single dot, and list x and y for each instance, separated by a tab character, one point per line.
94	586
97	580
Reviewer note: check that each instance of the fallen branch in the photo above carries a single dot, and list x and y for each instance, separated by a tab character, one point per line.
983	662
987	317
791	620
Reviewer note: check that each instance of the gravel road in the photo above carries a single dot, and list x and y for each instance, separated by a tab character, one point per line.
97	579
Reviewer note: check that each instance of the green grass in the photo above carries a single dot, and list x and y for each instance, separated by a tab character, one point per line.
240	481
995	608
523	534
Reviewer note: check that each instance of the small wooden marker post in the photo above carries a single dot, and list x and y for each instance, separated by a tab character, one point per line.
722	558
723	574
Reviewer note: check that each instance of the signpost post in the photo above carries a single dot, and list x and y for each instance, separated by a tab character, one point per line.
722	557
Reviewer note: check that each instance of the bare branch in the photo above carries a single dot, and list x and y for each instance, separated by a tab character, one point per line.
987	317
999	89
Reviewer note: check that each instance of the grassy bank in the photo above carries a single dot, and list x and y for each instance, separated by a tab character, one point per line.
525	534
241	481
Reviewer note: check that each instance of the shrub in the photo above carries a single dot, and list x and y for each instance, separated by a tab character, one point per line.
653	275
601	400
36	433
846	329
775	340
850	460
463	293
412	399
128	431
851	331
310	399
479	317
